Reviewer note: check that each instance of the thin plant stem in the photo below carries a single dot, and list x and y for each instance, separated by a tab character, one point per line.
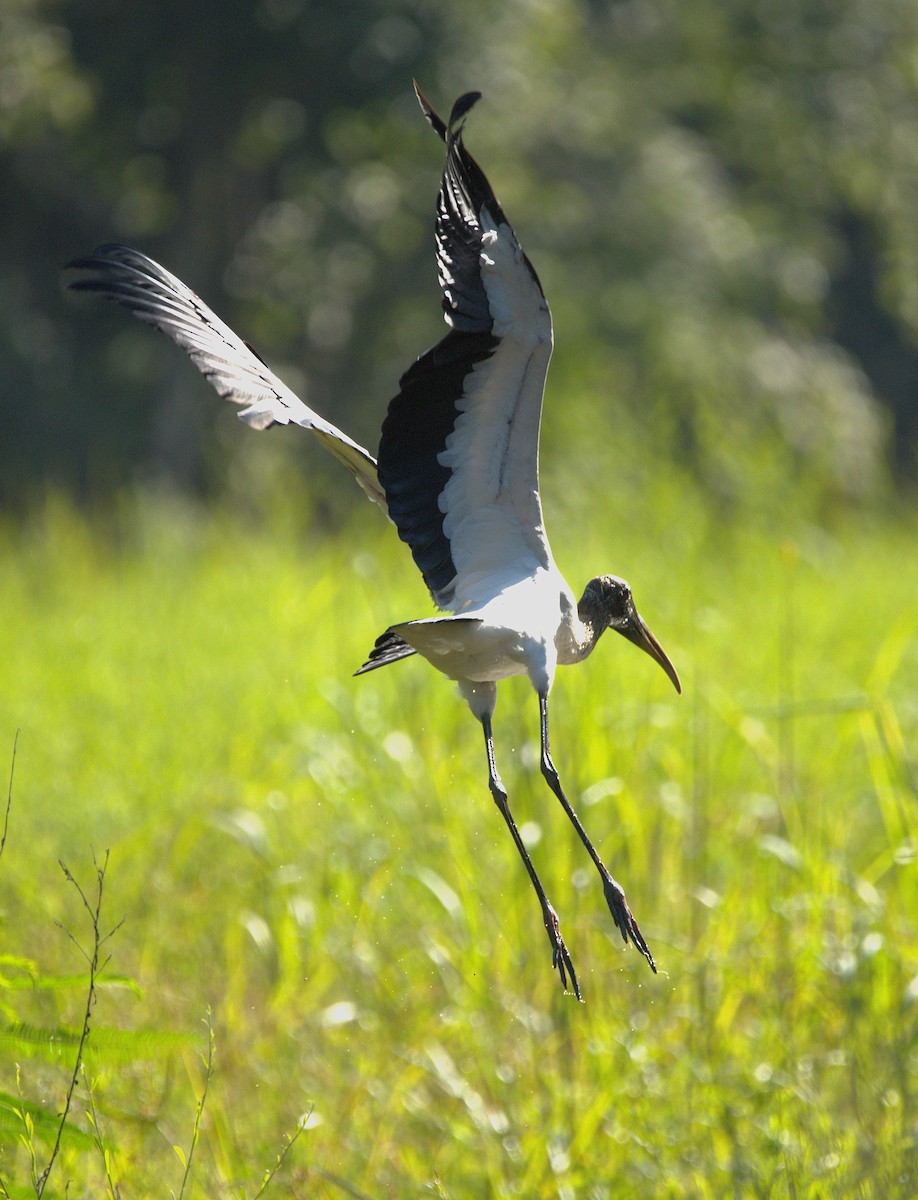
113	1190
199	1110
94	909
9	795
288	1146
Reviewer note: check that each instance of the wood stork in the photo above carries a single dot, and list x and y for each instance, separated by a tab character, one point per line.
457	473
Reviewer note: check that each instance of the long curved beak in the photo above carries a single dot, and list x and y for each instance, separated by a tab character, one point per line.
638	632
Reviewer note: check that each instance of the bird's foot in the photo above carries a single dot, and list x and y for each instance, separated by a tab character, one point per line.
560	955
624	918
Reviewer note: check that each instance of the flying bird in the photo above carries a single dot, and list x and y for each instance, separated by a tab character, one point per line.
457	473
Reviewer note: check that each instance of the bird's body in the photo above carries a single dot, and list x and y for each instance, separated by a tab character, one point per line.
527	628
457	471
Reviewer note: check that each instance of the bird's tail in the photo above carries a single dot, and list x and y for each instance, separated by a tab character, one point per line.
389	648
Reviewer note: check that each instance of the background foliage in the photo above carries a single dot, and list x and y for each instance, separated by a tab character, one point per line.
316	860
720	200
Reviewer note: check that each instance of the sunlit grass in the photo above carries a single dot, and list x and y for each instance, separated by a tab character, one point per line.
317	860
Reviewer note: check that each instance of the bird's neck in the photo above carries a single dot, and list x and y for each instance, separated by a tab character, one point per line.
583	631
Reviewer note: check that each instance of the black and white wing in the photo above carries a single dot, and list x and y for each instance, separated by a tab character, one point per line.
156	296
458	457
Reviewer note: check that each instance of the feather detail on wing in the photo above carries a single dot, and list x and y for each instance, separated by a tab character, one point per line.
458	457
228	363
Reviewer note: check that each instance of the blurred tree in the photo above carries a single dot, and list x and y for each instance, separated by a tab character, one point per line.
719	199
205	133
728	223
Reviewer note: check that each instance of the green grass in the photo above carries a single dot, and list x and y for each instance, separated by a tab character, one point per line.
316	860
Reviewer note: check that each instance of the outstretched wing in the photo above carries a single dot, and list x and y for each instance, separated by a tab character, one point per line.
156	296
458	457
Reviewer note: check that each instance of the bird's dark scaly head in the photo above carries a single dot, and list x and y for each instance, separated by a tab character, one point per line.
607	603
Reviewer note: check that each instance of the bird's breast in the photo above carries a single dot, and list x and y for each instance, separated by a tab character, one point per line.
468	648
517	632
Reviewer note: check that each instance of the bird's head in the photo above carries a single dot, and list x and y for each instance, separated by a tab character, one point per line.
607	603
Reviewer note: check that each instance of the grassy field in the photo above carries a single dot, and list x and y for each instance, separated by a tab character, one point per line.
315	861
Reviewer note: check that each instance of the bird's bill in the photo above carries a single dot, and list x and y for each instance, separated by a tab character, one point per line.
637	631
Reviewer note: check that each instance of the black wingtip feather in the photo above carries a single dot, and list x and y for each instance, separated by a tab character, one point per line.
105	256
433	118
462	107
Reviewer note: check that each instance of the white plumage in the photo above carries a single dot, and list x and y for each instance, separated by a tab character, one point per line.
457	471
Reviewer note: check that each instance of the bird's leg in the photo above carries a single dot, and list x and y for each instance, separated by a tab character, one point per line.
615	896
560	956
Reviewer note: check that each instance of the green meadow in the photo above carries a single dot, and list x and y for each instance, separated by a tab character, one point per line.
310	866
